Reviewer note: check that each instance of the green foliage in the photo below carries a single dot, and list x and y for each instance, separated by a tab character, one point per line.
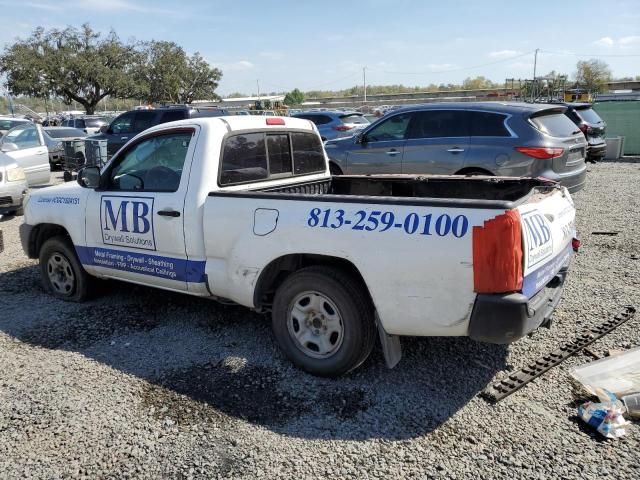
75	64
593	74
294	97
478	83
168	75
84	66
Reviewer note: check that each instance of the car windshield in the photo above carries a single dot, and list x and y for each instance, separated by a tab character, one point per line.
589	115
64	132
95	122
354	118
9	124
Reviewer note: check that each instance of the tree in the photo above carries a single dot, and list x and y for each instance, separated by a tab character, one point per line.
294	97
593	74
168	75
75	64
477	83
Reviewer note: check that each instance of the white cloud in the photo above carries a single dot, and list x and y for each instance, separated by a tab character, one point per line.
238	66
630	40
504	54
123	6
604	42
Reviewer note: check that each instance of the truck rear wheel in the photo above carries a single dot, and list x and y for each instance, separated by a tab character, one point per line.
323	321
62	273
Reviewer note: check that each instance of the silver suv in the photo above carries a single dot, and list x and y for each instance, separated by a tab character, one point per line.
480	138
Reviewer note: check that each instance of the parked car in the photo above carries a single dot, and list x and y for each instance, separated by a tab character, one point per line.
243	209
53	138
126	126
13	186
336	123
89	125
591	125
482	138
7	123
25	144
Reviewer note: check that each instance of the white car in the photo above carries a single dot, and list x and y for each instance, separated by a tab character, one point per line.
7	123
13	186
243	209
25	143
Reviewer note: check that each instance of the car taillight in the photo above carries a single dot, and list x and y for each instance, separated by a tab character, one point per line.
342	128
497	254
275	121
584	128
541	153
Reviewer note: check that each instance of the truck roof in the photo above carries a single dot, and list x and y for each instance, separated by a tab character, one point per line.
243	122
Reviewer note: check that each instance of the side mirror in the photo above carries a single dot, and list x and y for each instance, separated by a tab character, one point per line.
8	147
104	129
89	177
361	139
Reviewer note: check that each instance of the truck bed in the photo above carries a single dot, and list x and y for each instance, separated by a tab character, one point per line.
449	190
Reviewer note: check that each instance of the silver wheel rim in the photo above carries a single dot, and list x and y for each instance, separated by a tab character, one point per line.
315	325
61	276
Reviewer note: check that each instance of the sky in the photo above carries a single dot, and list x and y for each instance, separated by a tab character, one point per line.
324	45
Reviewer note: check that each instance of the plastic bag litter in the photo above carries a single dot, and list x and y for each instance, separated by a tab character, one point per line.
606	415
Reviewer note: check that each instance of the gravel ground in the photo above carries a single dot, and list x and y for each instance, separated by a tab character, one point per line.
140	383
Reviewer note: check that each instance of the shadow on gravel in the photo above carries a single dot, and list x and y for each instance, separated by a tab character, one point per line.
205	362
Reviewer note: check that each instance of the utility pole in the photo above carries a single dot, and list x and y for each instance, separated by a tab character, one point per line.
258	83
535	63
364	82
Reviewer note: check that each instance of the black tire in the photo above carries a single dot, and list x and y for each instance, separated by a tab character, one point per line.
334	169
73	283
67	176
19	212
355	313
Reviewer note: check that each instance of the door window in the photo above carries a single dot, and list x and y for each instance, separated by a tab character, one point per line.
152	165
123	124
173	115
394	128
439	124
24	136
143	120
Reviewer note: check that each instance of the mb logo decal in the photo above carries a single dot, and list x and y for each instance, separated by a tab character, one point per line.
127	222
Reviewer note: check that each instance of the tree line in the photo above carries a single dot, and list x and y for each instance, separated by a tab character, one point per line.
84	66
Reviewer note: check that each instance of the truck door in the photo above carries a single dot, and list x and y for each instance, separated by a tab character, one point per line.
135	220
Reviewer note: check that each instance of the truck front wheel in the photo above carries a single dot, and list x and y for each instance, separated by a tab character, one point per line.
61	271
323	321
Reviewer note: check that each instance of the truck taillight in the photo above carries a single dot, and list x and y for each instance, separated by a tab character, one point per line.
584	128
497	254
575	244
541	153
275	121
342	128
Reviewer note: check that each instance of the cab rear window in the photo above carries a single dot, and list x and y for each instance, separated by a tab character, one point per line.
555	125
251	157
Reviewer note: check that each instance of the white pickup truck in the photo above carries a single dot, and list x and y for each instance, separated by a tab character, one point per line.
244	209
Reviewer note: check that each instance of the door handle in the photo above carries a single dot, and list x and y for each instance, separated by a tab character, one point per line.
124	138
169	213
392	152
456	150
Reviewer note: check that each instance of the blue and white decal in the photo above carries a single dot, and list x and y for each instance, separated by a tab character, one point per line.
538	238
171	268
536	280
127	222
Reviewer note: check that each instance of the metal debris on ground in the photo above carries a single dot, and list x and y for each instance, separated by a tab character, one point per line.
515	381
611	234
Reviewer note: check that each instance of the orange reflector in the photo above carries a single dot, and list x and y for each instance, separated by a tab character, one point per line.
497	254
275	121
